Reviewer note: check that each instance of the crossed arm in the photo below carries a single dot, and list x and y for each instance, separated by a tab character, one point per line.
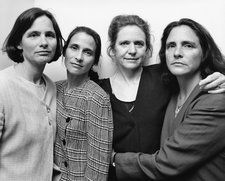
199	137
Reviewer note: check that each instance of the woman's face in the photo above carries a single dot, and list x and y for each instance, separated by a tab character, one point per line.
183	51
80	54
130	47
39	42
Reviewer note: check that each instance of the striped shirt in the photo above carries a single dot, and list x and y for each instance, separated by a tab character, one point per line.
84	132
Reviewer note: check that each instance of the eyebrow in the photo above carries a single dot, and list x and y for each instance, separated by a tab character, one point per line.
183	42
191	42
85	49
88	49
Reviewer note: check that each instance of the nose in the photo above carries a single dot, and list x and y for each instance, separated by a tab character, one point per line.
79	56
44	42
132	49
178	53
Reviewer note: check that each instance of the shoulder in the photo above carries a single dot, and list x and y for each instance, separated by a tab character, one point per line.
210	102
49	82
152	72
6	73
155	68
7	79
60	84
95	91
105	84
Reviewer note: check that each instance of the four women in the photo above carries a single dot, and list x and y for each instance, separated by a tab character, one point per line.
138	96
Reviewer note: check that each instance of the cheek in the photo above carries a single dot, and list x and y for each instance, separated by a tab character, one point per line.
119	52
196	61
66	62
168	57
53	43
89	64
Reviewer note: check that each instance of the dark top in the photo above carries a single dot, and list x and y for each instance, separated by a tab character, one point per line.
140	130
192	144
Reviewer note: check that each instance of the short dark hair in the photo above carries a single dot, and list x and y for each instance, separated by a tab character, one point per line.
213	60
121	21
22	24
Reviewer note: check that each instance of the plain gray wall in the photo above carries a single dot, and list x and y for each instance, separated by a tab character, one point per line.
9	11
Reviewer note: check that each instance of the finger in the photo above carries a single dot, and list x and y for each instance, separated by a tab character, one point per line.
218	82
217	91
215	84
210	78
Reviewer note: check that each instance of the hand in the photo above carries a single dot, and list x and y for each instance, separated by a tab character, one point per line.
214	83
127	167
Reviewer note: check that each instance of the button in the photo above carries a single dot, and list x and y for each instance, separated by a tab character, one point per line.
48	109
64	142
68	119
66	164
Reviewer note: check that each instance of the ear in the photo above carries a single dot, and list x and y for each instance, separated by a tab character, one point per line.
113	55
19	47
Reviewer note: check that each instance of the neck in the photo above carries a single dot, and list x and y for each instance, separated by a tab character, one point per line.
187	84
30	73
129	76
75	80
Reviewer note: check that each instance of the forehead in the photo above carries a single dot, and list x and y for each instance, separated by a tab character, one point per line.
83	40
42	23
131	32
182	33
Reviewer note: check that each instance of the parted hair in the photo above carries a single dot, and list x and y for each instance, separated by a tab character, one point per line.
21	25
213	59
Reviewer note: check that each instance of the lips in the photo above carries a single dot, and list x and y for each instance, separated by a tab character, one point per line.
76	65
131	59
177	63
44	52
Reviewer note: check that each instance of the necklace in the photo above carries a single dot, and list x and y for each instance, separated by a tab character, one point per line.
178	108
180	104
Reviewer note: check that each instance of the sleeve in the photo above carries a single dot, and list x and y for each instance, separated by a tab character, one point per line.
99	138
2	116
199	137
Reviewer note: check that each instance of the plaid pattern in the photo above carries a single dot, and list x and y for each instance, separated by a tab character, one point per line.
84	132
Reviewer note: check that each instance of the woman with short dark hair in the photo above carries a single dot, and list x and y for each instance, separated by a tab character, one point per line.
28	98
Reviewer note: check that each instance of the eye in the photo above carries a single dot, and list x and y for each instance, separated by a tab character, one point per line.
89	52
50	34
139	43
170	45
188	45
74	47
33	34
124	43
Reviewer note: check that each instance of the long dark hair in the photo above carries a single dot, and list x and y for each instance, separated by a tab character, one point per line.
213	60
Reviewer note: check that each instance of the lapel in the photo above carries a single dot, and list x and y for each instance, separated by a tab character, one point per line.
194	94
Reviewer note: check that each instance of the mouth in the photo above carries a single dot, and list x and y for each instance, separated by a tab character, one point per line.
177	63
131	59
76	65
43	52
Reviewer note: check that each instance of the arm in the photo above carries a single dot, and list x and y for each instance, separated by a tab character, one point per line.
2	116
214	83
99	138
199	137
2	119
